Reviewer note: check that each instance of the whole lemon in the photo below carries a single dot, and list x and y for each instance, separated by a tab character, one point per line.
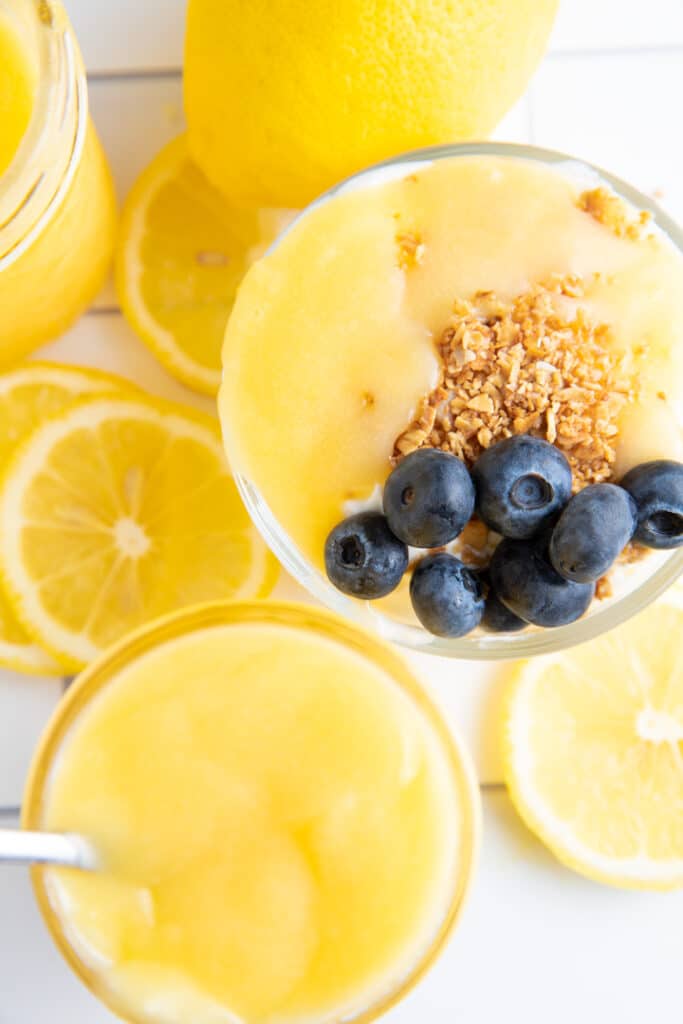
286	97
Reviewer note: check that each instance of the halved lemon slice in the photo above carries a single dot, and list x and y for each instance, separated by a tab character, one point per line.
116	511
594	751
28	395
182	253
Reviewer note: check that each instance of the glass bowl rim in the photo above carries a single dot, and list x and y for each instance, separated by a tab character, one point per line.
486	646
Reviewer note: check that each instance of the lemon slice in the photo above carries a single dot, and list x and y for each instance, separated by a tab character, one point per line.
118	510
182	253
594	751
27	396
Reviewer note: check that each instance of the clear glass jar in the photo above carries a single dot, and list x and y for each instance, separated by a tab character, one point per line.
307	620
647	580
57	206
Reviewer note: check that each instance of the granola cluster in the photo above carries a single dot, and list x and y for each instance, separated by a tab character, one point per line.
608	209
410	249
537	365
476	544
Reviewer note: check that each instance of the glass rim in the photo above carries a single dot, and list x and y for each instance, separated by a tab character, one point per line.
43	167
298	616
487	646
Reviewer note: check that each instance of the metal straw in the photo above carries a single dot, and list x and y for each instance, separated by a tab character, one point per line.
19	846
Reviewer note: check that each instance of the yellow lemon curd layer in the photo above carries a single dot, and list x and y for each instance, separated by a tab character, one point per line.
17	91
57	276
54	280
331	344
281	824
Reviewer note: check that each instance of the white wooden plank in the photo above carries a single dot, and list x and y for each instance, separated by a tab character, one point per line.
468	694
516	125
617	112
106	341
36	984
538	944
535	944
128	35
25	706
135	117
617	24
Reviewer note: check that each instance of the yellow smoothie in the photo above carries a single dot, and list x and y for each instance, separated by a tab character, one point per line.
286	827
48	287
17	90
49	284
333	342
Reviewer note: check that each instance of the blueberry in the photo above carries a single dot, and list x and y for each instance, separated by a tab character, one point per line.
447	596
363	557
499	619
593	529
657	489
429	498
521	483
528	585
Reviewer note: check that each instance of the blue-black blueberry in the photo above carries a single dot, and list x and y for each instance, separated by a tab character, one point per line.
428	498
657	489
521	483
448	598
594	528
527	584
499	619
364	558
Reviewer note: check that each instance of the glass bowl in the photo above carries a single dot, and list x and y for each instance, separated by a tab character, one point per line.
646	581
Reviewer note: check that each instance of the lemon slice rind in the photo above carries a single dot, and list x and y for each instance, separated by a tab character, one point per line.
73	649
634	872
27	657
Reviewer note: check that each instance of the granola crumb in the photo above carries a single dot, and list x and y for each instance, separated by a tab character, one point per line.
607	208
476	544
411	249
633	552
524	367
603	588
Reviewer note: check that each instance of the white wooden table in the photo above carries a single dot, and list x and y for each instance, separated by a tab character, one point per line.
537	944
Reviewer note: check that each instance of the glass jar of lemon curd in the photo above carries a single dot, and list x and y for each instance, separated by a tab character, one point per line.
57	206
262	859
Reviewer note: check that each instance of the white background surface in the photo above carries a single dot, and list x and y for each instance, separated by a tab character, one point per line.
536	944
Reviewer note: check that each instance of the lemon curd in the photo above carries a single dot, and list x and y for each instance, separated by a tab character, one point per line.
17	90
286	826
331	344
57	208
